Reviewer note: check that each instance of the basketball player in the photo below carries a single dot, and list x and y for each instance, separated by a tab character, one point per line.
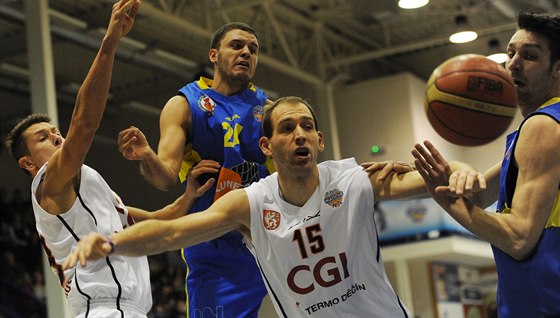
310	227
218	120
71	199
525	233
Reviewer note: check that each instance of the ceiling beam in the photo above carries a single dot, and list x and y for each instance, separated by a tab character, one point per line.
152	12
418	45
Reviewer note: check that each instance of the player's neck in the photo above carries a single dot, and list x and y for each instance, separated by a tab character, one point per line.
298	190
528	107
228	87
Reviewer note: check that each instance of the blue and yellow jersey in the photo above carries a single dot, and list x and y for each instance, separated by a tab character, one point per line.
222	277
530	287
226	129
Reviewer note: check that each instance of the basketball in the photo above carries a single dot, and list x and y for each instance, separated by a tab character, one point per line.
470	100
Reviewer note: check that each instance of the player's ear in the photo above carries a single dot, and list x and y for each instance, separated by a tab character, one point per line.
213	55
26	163
264	144
321	141
556	69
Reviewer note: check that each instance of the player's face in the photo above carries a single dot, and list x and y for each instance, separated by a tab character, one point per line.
295	141
43	139
530	68
237	56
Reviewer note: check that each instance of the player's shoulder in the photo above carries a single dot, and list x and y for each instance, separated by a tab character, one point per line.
342	164
540	134
541	123
339	169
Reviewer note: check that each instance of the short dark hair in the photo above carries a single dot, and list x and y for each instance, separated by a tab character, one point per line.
221	32
292	100
15	142
545	25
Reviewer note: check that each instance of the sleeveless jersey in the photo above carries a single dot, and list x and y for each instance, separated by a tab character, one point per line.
222	277
112	282
322	259
531	287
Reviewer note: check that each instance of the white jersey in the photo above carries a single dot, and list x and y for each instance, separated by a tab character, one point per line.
322	259
112	282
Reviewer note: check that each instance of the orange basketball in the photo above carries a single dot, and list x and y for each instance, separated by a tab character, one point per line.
470	100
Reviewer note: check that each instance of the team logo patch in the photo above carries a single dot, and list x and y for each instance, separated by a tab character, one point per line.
334	198
206	104
271	219
258	113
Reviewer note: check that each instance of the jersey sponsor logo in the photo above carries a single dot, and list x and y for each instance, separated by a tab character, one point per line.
334	198
327	272
206	104
271	219
356	287
258	113
227	180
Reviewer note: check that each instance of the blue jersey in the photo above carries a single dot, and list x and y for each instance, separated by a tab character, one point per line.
530	287
222	276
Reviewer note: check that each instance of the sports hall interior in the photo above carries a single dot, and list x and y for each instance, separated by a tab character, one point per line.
362	64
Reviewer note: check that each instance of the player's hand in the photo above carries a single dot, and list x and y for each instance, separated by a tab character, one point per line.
435	170
464	182
122	19
91	247
386	167
133	144
431	165
194	188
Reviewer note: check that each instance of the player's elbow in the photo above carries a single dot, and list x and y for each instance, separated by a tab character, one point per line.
522	246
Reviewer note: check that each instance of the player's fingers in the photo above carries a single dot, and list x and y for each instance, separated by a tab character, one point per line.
471	179
461	182
373	166
453	181
438	158
386	171
208	163
123	5
125	136
481	181
425	158
195	173
70	261
402	167
81	255
445	191
420	168
207	185
421	162
134	8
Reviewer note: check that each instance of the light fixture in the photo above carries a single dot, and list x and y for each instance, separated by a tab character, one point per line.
412	4
463	34
496	53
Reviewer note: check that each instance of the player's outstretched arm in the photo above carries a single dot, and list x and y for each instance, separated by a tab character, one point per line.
409	185
64	165
231	212
386	167
517	232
